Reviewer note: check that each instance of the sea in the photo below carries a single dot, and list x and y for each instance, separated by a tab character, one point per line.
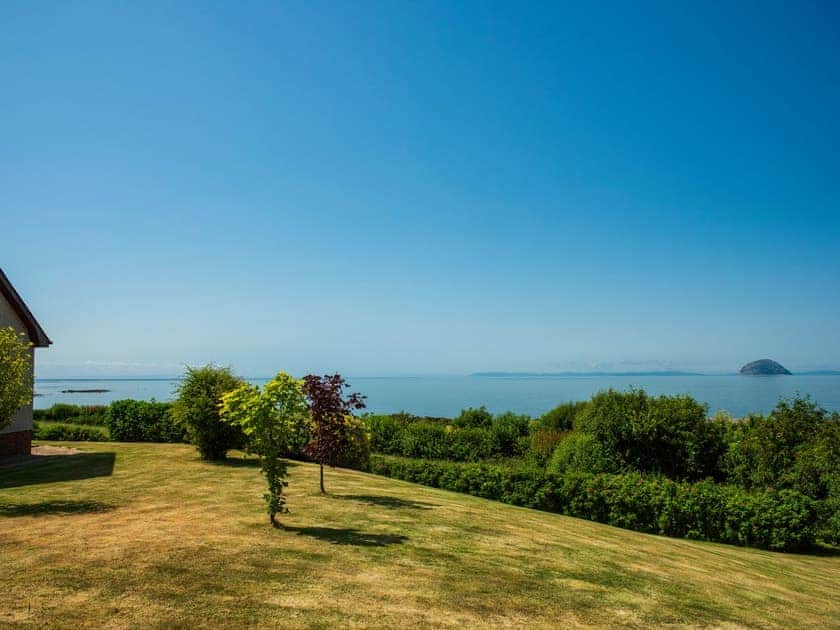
445	396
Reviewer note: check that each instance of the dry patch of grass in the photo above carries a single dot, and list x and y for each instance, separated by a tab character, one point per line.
147	535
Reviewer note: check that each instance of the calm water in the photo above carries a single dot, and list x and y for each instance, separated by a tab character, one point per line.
446	395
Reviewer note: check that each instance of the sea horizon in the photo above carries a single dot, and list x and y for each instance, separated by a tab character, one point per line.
531	394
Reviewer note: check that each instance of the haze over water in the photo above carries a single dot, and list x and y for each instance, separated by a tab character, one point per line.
533	395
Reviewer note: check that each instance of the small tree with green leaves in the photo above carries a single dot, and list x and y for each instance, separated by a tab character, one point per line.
271	420
15	374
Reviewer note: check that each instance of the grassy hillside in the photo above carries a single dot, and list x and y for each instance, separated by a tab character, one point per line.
147	534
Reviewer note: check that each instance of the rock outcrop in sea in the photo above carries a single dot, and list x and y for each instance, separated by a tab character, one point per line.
763	367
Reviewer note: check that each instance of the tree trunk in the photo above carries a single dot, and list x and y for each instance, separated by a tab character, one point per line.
273	518
322	480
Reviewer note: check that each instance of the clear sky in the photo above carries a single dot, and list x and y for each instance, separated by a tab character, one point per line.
416	188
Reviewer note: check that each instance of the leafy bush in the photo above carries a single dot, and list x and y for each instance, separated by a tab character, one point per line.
784	521
96	415
197	411
506	431
412	436
15	373
469	444
766	450
543	442
828	528
670	435
357	454
797	446
385	433
581	452
142	421
68	432
478	418
428	440
562	417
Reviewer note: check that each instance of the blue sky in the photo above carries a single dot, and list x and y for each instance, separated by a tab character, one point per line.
416	188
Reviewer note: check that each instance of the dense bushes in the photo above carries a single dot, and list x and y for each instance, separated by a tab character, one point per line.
357	455
671	435
780	449
471	439
581	452
784	520
424	439
68	432
470	444
653	464
796	446
543	442
509	434
142	421
75	414
478	418
386	432
562	417
196	410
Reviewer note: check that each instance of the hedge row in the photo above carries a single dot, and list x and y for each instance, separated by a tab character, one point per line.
505	435
784	520
68	432
74	414
143	421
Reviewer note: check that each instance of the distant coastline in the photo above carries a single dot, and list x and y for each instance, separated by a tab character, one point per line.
555	374
489	374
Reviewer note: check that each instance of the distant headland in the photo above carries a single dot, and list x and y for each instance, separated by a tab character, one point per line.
555	374
764	367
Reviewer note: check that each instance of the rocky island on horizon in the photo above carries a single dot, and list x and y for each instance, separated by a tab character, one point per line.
764	367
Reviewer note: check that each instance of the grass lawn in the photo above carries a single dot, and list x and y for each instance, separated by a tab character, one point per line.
130	535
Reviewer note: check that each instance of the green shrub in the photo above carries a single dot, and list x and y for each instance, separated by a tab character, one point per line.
424	439
142	421
783	521
670	435
67	432
472	439
357	455
197	411
385	433
96	415
506	431
59	412
469	444
478	418
562	417
581	452
543	442
828	527
780	450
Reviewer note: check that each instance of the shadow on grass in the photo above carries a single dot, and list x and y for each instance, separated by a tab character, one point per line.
245	462
348	536
59	468
822	549
53	507
385	501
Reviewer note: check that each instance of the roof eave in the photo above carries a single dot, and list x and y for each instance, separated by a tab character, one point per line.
36	333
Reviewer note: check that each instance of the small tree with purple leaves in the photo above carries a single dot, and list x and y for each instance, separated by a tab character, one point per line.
332	412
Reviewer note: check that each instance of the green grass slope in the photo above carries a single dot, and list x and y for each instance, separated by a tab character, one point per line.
129	535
